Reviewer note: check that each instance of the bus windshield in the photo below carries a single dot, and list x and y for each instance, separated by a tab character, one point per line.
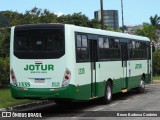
39	43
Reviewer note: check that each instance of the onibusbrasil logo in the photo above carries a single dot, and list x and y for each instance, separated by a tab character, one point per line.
21	115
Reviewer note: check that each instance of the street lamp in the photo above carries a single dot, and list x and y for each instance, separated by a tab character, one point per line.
122	16
102	21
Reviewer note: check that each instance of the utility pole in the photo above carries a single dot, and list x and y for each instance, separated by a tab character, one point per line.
122	16
102	20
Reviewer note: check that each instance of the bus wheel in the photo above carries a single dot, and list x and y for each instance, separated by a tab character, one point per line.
141	88
107	94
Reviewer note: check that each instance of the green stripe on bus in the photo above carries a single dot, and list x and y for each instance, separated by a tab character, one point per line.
82	92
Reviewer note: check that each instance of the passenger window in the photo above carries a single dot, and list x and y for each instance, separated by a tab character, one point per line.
78	41
114	48
104	51
100	42
106	43
82	48
84	41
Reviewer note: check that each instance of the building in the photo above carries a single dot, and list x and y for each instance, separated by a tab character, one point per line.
110	18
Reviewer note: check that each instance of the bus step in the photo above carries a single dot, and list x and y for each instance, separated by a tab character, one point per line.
124	90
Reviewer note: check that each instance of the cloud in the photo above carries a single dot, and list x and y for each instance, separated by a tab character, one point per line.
59	13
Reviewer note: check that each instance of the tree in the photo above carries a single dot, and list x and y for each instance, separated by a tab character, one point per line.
4	42
78	19
95	23
156	62
124	27
109	28
155	21
33	16
149	31
48	17
12	17
4	21
118	30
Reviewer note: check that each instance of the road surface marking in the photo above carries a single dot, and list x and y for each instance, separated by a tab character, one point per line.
98	109
136	97
78	116
126	100
113	104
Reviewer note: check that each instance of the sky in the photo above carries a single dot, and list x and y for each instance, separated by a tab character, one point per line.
135	11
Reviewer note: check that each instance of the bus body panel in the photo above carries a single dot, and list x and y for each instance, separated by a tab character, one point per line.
39	73
85	82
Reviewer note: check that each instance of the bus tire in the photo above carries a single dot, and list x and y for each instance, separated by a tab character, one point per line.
108	93
141	88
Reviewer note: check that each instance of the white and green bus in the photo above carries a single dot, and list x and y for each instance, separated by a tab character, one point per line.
68	62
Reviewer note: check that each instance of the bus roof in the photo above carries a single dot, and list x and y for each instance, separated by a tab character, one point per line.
86	30
106	33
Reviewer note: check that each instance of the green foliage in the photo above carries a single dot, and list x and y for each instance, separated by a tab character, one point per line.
155	21
37	15
6	100
109	29
4	42
148	31
78	19
4	71
4	21
156	62
48	17
95	23
119	30
156	78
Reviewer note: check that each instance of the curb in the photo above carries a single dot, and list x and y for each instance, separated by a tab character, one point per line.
156	81
26	106
3	109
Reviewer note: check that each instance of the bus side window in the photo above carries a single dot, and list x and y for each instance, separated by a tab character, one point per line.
82	48
130	46
104	51
115	48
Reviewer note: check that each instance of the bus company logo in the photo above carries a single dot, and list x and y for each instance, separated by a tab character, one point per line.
39	68
138	66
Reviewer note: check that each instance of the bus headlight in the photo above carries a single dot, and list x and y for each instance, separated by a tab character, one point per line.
66	78
13	78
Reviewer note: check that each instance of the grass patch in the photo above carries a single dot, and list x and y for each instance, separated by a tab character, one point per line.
156	77
6	99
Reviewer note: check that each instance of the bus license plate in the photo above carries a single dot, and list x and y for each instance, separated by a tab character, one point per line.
39	80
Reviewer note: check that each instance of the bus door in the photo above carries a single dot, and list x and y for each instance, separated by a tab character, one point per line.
124	58
94	59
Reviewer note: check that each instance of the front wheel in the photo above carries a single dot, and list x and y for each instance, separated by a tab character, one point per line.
107	94
141	88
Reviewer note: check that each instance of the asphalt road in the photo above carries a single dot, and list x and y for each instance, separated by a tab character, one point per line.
123	104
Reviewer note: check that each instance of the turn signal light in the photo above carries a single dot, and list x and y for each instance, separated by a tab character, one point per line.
66	78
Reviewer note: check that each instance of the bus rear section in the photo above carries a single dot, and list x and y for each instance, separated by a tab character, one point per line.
38	63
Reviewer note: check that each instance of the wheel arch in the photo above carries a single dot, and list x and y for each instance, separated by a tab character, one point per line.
143	76
110	80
